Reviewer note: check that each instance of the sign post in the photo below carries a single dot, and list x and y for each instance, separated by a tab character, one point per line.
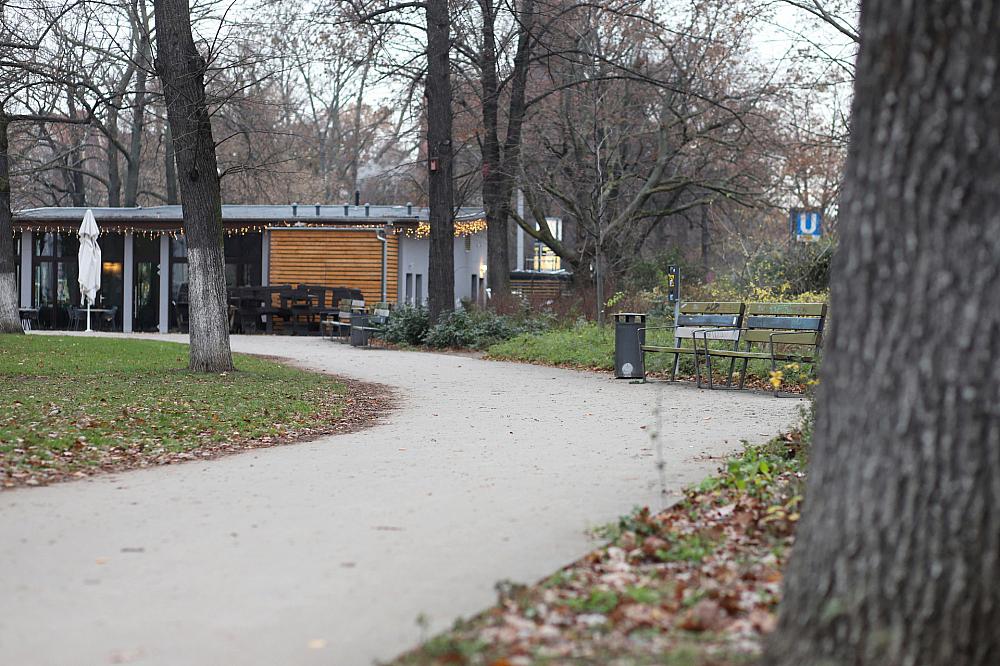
674	290
807	224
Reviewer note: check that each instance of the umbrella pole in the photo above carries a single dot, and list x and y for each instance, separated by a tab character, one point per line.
88	317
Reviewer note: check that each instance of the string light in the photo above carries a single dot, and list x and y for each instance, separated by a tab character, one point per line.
421	230
462	228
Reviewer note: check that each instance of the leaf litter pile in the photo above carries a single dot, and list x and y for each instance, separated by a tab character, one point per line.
72	407
696	585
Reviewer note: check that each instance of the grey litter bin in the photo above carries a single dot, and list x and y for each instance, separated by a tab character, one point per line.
628	337
359	336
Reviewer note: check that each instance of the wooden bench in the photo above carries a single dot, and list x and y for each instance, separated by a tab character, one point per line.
786	332
711	321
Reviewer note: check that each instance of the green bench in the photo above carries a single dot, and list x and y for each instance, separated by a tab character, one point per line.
706	321
786	332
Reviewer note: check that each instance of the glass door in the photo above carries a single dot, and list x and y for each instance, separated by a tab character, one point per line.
146	284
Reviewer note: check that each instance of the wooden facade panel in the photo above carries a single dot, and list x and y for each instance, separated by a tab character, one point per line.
334	258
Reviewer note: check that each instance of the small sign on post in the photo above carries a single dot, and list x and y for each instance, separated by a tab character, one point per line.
673	284
807	224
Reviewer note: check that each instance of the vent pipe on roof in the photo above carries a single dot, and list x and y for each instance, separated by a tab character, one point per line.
368	209
347	210
357	197
317	210
409	208
295	209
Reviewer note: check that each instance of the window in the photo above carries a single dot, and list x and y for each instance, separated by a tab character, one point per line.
54	277
418	292
474	288
408	293
545	259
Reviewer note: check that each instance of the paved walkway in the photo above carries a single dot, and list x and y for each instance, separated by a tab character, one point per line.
327	552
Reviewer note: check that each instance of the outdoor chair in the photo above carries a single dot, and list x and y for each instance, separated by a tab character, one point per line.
109	319
77	318
181	315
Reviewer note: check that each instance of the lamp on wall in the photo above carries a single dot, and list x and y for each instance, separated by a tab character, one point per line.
482	271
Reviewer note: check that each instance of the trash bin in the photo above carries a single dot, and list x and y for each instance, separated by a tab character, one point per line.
359	336
628	337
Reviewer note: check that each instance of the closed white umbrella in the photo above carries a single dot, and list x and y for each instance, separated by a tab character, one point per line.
89	260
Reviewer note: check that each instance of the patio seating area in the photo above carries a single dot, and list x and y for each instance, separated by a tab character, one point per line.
287	309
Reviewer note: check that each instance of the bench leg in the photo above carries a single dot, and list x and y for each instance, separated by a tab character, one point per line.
708	363
743	372
676	365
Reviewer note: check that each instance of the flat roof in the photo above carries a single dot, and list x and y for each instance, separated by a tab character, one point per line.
232	214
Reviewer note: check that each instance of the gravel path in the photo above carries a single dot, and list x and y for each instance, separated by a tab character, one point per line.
327	552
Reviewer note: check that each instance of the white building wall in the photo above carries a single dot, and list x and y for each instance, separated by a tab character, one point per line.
414	256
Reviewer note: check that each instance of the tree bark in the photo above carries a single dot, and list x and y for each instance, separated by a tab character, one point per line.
501	165
441	188
182	72
170	167
111	155
10	320
143	55
897	561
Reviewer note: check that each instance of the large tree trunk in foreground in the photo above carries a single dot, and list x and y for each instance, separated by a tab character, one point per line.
898	556
441	188
182	72
10	320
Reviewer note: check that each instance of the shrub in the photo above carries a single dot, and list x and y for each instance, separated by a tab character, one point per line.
478	329
407	325
799	268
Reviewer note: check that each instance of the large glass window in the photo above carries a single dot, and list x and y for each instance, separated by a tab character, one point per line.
243	257
54	277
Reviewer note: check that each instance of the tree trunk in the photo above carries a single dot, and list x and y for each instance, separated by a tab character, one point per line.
500	168
441	195
897	561
138	106
10	320
498	275
170	167
182	72
111	156
135	142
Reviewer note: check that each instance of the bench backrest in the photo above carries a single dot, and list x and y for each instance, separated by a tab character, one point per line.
706	316
799	323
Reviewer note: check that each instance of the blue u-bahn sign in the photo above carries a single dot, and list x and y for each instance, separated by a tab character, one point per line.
807	224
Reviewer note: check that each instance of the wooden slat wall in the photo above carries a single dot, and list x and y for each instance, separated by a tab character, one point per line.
334	258
540	289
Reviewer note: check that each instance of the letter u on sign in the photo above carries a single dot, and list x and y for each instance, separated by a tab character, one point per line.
808	225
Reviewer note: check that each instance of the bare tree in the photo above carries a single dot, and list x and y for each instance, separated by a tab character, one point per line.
440	171
896	560
182	69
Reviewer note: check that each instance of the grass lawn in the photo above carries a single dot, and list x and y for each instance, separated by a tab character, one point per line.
71	406
590	346
696	585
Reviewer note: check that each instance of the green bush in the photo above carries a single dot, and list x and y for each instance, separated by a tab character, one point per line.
796	269
407	325
478	329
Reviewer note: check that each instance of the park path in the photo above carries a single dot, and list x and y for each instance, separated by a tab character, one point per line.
327	552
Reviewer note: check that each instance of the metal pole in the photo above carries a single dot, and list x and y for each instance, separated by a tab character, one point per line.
88	317
381	235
